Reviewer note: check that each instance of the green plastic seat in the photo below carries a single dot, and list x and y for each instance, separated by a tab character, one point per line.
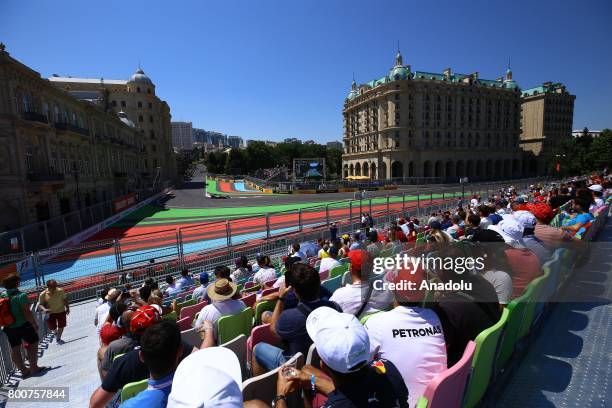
132	389
186	303
365	318
530	310
332	284
422	402
170	316
516	311
483	361
230	327
265	306
338	270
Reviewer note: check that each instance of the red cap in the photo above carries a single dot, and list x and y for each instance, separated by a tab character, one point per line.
357	257
142	318
110	332
541	211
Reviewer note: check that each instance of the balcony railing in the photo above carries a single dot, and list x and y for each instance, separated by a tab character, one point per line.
45	178
35	117
72	128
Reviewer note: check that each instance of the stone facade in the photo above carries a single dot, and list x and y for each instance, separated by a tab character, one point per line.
547	117
59	153
136	98
421	124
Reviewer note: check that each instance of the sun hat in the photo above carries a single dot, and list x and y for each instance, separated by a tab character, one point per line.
143	318
209	377
112	294
222	289
341	341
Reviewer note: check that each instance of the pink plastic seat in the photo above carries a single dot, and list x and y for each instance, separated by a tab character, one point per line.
266	292
249	299
190	311
259	334
268	284
324	275
447	389
249	284
184	323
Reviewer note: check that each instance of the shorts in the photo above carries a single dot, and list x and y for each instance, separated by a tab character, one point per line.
56	320
25	332
268	356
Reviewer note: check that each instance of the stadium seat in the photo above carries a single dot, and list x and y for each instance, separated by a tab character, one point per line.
530	309
447	389
186	303
170	316
190	311
250	284
132	389
252	289
249	299
323	275
483	361
239	346
347	279
268	291
263	387
554	266
260	307
516	311
338	270
191	337
332	284
259	334
269	283
230	327
184	323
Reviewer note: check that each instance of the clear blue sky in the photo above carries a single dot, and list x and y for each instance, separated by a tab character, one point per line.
274	69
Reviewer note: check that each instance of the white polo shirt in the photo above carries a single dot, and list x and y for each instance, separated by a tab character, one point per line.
412	339
351	297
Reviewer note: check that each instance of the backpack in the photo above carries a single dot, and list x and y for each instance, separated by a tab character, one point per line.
6	317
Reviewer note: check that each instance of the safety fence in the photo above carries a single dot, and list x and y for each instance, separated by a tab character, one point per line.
55	230
89	265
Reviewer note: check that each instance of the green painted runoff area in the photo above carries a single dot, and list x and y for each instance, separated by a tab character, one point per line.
151	215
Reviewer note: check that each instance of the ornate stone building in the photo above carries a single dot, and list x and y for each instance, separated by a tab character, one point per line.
421	124
136	97
547	116
59	153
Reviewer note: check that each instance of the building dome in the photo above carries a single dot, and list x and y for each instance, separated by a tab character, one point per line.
124	118
510	83
398	73
141	77
353	93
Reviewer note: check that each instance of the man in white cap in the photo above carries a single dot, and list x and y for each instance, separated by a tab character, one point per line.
528	221
207	378
347	376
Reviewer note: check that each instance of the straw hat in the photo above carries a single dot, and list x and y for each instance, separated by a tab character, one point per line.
222	289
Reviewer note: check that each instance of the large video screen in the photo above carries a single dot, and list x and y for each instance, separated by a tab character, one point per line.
309	168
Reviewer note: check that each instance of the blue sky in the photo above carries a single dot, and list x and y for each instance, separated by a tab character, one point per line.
275	69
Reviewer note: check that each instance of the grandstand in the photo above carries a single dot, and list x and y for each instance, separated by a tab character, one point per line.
550	342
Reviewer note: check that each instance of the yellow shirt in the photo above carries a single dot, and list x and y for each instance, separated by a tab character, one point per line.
54	302
323	254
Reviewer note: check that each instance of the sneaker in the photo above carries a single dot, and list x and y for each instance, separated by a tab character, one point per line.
60	341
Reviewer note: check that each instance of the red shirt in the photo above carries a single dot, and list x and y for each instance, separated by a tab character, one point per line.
525	267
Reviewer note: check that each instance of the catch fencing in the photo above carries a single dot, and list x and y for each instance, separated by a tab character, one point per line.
84	268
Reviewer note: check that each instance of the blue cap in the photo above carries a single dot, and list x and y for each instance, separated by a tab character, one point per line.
204	278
